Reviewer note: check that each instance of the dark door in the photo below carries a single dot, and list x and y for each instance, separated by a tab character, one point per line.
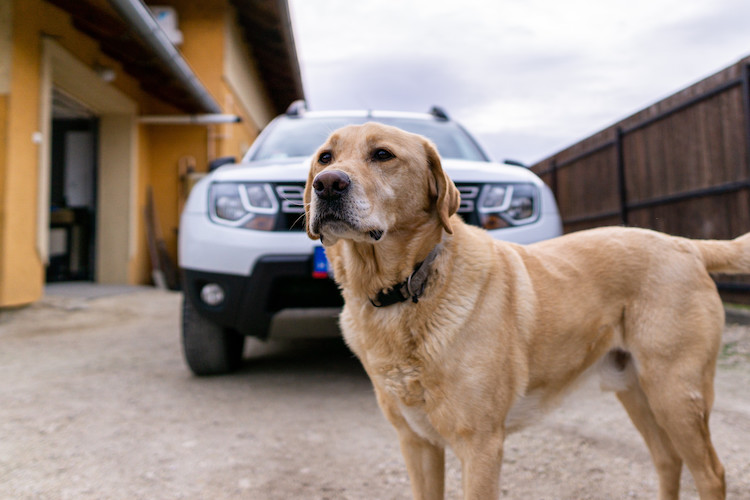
73	199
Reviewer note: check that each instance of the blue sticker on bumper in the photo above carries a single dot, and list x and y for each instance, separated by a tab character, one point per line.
320	263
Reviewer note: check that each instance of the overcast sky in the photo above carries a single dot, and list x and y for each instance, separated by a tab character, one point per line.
528	77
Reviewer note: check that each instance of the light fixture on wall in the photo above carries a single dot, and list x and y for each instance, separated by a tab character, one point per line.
106	73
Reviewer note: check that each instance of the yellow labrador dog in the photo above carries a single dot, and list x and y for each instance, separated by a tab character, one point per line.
465	338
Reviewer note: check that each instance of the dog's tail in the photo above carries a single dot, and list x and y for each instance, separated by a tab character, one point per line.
729	257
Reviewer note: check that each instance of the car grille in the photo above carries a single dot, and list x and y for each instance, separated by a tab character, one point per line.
292	206
469	194
467	209
293	209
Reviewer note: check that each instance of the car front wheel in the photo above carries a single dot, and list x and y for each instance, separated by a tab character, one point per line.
209	348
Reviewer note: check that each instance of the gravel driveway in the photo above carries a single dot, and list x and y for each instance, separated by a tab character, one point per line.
96	403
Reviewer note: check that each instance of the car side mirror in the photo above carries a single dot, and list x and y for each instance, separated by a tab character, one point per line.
218	162
515	163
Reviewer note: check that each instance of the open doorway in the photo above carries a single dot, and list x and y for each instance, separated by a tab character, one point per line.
73	167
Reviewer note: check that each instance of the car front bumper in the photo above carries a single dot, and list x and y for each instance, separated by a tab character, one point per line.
267	276
279	289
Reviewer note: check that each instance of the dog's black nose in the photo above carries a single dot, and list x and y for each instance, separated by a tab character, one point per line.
331	184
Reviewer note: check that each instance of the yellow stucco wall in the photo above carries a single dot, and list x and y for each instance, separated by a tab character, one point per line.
209	32
140	270
169	145
57	24
3	168
21	264
202	26
159	149
6	47
21	272
242	78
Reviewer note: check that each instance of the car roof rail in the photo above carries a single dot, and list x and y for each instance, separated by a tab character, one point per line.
439	113
297	108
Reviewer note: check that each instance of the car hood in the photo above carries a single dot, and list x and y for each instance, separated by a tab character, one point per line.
296	170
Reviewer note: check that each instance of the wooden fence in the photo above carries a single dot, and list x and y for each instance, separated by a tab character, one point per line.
681	166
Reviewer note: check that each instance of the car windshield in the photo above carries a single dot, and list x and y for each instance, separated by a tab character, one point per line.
300	137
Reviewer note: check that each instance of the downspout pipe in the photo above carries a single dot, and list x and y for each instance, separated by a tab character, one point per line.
207	119
150	32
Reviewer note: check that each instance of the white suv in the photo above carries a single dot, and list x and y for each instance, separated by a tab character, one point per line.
248	266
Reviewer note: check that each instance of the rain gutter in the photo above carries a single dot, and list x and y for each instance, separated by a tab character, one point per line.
150	32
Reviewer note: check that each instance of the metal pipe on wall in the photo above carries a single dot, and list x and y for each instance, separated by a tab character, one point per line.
202	119
148	29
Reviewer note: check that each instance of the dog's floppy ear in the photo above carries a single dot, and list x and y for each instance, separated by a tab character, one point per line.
442	188
307	199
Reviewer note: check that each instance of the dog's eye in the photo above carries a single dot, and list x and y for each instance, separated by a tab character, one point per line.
382	155
325	158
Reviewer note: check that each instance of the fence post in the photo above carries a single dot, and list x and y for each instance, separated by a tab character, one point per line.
553	176
746	106
622	188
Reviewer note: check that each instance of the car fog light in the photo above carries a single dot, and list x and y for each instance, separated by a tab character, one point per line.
212	294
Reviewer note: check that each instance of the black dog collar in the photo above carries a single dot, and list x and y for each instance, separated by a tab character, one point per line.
412	288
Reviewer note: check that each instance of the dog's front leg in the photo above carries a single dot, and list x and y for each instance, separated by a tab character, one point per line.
481	459
425	463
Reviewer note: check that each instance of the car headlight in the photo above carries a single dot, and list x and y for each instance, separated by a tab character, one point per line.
247	205
505	205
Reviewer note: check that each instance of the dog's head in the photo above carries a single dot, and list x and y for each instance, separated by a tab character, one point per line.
367	180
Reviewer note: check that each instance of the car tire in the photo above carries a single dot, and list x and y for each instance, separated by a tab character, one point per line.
209	349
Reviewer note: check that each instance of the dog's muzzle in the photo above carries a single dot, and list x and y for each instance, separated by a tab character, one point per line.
329	188
334	208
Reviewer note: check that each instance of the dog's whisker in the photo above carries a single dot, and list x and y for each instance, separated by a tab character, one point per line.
302	216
